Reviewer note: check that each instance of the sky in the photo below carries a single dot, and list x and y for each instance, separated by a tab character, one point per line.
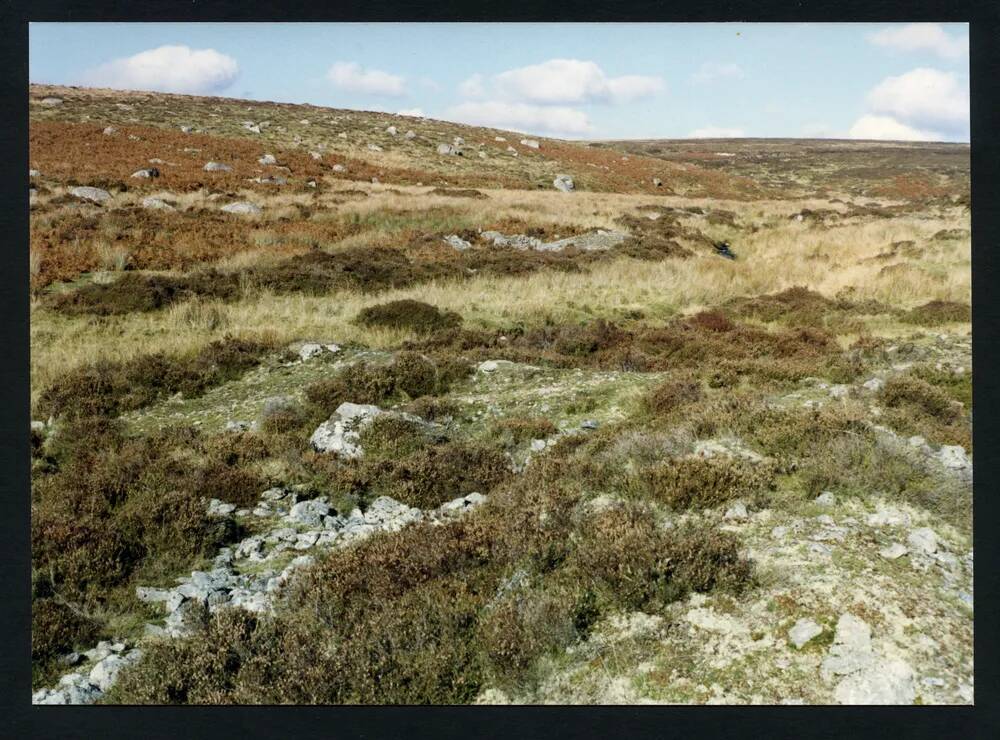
571	80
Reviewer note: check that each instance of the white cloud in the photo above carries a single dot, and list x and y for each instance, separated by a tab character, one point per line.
173	69
926	98
716	132
922	37
474	87
352	77
558	120
711	71
887	128
562	81
415	112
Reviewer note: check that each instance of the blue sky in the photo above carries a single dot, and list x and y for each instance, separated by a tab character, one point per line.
842	80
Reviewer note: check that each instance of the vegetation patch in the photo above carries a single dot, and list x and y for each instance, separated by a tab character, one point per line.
408	314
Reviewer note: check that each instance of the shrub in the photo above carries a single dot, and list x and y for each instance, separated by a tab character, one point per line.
414	374
57	629
707	482
938	312
670	396
520	429
906	391
409	315
392	438
441	473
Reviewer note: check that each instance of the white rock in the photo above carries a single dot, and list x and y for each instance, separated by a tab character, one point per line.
873	385
339	168
894	551
216	167
86	192
310	513
410	135
737	511
110	130
391	131
564	183
457	242
243	208
826	499
340	433
923	540
530	143
887	682
446	149
268	159
537	445
954	457
839	391
803	631
33	173
50	102
499	138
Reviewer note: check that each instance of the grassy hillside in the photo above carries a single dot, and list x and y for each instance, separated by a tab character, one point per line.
677	458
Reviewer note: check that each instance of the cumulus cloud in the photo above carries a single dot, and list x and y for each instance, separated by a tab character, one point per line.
172	69
716	132
711	71
352	77
923	98
887	128
561	81
557	120
415	112
922	37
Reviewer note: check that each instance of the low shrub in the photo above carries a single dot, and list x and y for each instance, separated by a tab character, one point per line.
707	482
408	315
939	312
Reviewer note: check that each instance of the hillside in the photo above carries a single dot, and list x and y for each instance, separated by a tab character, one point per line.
345	407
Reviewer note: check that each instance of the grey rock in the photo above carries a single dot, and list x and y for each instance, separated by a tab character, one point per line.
737	511
268	159
410	135
309	513
242	207
874	385
50	102
894	551
826	498
85	192
588	424
923	540
803	631
339	168
340	433
564	183
156	203
110	131
530	143
217	167
391	131
446	149
457	242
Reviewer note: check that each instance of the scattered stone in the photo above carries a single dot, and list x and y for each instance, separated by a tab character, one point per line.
826	499
110	131
310	513
657	182
894	551
874	385
50	102
923	540
391	131
530	143
737	511
339	168
268	159
156	203
409	135
446	149
313	349
218	508
186	129
242	207
148	173
588	424
340	433
954	457
564	183
85	192
374	148
33	173
216	167
803	631
457	242
839	391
